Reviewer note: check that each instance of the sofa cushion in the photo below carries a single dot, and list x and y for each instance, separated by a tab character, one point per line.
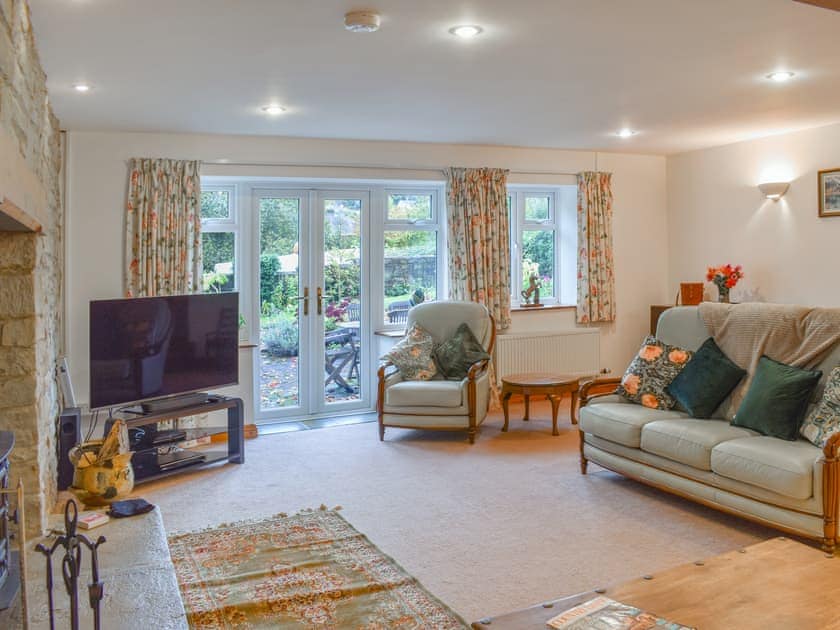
824	419
620	422
705	381
689	441
770	463
413	355
434	393
651	371
777	399
455	356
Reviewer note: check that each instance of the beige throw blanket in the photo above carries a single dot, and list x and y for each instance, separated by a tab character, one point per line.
795	335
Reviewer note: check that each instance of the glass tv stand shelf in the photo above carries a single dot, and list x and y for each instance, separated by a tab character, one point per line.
161	452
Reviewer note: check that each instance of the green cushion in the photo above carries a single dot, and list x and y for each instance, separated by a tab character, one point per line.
777	399
455	356
705	381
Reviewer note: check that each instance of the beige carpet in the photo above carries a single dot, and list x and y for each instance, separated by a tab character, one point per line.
502	524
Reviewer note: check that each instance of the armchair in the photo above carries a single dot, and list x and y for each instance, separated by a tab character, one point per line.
440	404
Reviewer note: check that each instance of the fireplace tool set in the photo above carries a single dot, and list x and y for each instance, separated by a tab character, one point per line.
71	564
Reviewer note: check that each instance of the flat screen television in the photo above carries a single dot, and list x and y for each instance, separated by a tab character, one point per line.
146	348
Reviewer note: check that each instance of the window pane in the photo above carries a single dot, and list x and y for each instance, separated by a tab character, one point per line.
409	207
410	271
538	259
218	260
279	307
215	204
537	208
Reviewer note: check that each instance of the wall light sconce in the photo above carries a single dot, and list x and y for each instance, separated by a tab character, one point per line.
774	190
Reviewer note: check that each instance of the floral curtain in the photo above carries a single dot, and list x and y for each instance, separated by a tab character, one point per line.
479	237
479	254
163	228
596	281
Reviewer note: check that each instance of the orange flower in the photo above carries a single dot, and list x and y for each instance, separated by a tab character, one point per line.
678	356
630	382
651	401
650	353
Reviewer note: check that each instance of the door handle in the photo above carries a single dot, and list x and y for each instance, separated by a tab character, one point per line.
305	298
320	301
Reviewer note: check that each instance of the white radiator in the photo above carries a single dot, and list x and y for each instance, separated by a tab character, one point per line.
575	352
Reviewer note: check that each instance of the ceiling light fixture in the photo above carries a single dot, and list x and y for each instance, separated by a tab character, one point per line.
781	76
81	87
273	110
361	21
625	133
466	31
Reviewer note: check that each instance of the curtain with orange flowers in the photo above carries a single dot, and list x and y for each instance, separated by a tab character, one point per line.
596	272
479	254
162	228
479	258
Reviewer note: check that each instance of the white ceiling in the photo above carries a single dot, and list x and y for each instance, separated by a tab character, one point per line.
545	73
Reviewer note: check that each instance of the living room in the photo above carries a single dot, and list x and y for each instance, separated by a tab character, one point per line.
349	127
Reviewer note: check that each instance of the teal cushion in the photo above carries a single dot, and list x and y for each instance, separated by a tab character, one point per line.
777	399
455	356
705	380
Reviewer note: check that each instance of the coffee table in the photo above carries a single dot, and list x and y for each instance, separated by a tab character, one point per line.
553	386
779	583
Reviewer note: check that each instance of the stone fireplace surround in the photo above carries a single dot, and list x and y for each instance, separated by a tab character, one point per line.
31	256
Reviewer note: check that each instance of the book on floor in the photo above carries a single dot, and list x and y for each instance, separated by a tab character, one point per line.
603	613
91	520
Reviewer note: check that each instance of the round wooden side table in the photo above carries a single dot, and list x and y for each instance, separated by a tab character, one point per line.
552	386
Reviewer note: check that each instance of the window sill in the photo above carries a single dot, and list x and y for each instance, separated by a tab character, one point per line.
539	309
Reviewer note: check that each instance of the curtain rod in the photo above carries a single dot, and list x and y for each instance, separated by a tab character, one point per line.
365	166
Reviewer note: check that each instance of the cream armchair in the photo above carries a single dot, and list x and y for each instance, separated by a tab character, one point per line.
440	404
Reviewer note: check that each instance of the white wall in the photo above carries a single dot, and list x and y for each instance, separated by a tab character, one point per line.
97	168
717	215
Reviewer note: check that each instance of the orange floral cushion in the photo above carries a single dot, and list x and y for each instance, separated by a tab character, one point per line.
651	371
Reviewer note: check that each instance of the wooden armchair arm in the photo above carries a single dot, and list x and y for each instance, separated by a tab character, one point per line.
382	372
602	387
831	450
477	369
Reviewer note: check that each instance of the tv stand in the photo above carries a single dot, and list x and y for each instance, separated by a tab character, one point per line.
235	452
162	405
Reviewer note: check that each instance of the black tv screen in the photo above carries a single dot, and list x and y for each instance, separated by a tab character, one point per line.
145	348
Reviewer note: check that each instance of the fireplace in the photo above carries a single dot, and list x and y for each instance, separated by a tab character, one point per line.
9	573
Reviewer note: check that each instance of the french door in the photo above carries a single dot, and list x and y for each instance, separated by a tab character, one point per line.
312	302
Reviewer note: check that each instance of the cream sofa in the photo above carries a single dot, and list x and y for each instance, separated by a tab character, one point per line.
792	486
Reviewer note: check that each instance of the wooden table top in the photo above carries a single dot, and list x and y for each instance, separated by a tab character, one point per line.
539	379
779	583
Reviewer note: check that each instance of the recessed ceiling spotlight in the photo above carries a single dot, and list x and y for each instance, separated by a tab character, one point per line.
781	76
81	87
361	21
273	110
625	133
466	31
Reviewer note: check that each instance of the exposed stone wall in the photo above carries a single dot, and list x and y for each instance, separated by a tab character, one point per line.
30	264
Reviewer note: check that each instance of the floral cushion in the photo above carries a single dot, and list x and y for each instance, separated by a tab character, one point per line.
650	373
413	355
824	420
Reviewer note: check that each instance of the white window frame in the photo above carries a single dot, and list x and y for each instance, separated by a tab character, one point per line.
231	224
434	224
561	221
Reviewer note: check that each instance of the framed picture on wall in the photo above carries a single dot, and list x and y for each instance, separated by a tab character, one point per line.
829	192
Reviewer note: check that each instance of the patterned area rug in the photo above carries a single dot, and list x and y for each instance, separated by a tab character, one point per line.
311	570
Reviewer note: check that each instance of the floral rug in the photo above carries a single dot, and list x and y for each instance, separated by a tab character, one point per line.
310	570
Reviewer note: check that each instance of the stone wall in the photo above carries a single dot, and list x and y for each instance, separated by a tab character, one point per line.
30	264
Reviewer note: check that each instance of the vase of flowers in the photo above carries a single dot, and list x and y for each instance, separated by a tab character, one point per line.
724	278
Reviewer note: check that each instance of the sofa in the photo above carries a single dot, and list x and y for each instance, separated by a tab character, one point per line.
789	485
